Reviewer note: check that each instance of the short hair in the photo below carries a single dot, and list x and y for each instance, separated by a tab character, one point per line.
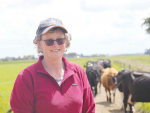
39	38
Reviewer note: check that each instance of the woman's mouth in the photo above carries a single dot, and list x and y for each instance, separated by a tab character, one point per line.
56	50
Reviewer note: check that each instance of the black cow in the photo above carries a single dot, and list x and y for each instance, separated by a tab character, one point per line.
133	83
106	63
98	66
89	66
92	75
93	80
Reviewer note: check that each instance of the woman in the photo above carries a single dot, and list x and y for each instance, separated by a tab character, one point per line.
53	84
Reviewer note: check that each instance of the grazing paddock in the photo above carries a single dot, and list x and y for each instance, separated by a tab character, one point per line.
8	73
10	69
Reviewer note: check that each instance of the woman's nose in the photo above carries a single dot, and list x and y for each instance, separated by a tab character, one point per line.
55	43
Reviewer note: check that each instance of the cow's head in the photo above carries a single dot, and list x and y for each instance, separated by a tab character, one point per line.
118	80
112	74
107	63
93	76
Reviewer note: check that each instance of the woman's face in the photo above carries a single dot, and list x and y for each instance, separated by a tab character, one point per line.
55	50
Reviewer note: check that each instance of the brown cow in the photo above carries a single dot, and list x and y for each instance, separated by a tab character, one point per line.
107	82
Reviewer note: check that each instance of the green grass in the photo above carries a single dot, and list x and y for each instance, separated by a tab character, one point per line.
8	73
143	107
10	69
82	61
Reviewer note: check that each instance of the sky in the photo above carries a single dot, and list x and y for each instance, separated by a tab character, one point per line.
108	27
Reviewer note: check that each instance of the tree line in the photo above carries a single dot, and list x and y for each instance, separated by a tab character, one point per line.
147	23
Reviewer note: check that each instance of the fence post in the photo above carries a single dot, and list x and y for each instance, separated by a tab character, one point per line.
129	66
124	65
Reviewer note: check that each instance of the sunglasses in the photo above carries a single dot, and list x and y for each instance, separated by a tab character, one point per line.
50	42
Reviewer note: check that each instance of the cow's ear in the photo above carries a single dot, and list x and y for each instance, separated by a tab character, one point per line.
103	70
108	75
115	74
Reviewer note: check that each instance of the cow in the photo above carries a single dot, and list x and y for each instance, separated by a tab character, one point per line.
107	82
92	76
98	67
89	66
106	63
93	80
133	84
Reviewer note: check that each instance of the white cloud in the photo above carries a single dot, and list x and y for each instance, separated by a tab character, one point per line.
107	2
97	27
117	3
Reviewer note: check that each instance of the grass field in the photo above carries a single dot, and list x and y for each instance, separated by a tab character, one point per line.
10	69
8	73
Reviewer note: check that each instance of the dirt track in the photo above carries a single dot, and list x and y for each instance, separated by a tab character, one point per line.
102	106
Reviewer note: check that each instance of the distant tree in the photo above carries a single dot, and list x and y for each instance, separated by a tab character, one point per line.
147	23
72	54
19	58
65	55
81	55
13	58
30	57
147	51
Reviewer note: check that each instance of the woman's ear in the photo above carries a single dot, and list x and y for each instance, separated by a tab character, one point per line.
66	43
39	44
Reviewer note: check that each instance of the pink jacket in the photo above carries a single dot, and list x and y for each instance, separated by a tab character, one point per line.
35	91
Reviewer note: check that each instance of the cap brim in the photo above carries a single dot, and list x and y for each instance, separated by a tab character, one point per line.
49	28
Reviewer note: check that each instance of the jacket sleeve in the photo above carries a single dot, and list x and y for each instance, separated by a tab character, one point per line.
22	99
88	99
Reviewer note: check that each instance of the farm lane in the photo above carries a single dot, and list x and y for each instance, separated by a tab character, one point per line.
102	106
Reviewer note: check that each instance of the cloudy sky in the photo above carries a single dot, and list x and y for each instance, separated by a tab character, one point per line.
97	26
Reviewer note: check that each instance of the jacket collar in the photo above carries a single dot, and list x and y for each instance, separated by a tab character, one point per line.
69	68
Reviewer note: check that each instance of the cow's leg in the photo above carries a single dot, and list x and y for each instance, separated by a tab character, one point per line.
109	95
122	104
93	91
91	85
96	90
114	90
125	100
91	88
99	87
113	96
130	105
106	94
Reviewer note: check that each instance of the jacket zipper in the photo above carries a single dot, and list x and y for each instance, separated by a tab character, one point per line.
55	82
61	89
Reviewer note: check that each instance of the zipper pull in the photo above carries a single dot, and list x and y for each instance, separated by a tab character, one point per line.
61	89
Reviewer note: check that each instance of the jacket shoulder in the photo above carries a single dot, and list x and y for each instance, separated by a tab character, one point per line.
27	72
76	66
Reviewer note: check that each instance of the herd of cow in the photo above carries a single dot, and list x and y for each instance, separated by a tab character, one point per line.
135	85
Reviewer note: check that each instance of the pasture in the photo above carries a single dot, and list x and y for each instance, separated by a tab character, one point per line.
10	69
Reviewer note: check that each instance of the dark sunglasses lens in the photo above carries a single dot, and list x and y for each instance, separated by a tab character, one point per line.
60	41
49	42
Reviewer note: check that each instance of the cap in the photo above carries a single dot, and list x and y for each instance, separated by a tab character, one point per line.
48	24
